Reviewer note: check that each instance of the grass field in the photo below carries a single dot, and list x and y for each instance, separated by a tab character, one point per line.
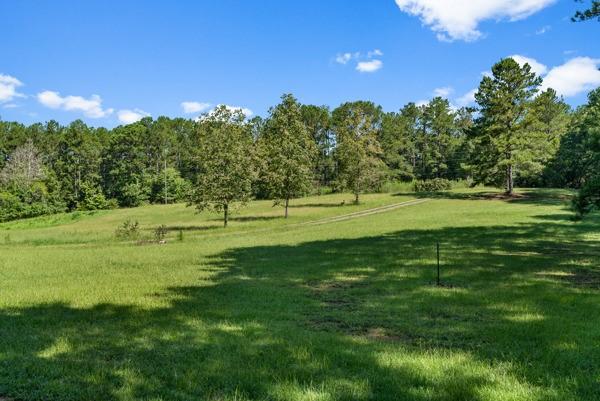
274	309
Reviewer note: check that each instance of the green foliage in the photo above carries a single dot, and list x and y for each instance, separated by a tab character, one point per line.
593	12
358	151
588	159
169	187
226	166
434	185
588	198
502	140
129	229
134	193
160	232
286	153
92	198
548	119
317	120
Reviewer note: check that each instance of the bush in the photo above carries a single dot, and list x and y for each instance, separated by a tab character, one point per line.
397	186
92	198
128	230
160	232
28	203
178	188
134	194
435	185
588	198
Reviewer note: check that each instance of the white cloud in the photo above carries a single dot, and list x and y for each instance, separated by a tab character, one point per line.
537	67
369	66
363	66
246	111
8	88
194	107
459	19
131	116
543	30
91	107
10	106
466	99
343	58
577	75
443	92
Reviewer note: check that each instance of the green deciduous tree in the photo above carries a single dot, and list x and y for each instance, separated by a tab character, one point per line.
317	120
286	153
225	162
358	151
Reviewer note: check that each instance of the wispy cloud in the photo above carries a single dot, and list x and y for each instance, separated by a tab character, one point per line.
543	30
365	62
8	88
374	53
537	67
127	116
369	66
194	107
344	58
443	92
466	99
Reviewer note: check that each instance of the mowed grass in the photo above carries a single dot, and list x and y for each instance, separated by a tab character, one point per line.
274	309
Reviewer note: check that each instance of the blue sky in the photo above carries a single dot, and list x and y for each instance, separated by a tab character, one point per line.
108	62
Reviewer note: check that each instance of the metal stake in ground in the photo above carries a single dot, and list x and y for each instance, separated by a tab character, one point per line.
438	262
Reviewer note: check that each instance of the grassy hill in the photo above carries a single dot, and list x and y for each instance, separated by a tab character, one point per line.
315	307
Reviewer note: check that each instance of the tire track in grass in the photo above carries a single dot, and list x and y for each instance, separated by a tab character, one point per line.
327	220
361	213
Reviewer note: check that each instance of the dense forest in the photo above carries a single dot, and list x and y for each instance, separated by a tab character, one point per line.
519	134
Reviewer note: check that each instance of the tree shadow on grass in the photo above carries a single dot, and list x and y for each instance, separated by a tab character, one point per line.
192	228
319	205
344	319
536	196
255	218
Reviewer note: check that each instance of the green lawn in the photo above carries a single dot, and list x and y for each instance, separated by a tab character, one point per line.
274	309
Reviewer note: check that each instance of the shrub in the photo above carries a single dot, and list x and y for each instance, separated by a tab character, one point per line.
28	203
128	230
92	198
134	194
160	232
178	188
434	185
587	199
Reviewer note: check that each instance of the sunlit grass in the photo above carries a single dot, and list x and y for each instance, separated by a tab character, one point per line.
273	309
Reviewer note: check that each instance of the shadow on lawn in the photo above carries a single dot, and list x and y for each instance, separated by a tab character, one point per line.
284	322
537	196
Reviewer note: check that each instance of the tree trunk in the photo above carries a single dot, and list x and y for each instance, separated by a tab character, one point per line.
287	203
356	197
166	193
225	214
509	179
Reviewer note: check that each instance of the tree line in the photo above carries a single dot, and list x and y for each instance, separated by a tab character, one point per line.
517	135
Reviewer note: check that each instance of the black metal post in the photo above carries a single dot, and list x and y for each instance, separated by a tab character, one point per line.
438	263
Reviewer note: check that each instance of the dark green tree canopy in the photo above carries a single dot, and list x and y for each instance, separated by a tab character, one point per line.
589	13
